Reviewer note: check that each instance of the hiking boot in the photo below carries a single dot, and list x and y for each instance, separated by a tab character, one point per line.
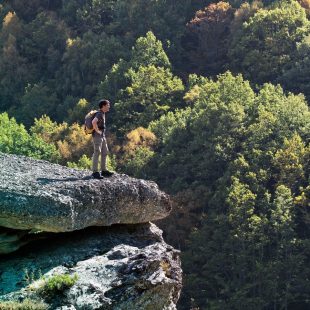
96	175
106	173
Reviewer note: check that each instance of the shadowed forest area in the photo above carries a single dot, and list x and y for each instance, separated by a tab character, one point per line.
209	99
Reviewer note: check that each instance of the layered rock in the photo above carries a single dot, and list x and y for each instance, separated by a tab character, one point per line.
38	195
11	240
117	267
122	267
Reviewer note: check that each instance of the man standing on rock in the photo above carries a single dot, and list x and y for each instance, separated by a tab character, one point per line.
100	142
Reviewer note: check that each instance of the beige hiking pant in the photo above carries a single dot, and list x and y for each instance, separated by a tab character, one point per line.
100	148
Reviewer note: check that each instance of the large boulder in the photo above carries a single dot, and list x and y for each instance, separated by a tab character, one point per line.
38	195
118	267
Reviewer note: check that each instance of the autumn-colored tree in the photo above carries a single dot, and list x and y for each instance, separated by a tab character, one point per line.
71	141
208	35
137	151
243	14
48	130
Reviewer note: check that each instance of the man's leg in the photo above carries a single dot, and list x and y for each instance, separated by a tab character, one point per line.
97	141
104	154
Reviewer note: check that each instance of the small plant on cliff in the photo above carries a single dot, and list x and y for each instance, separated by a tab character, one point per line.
166	267
56	284
32	275
27	304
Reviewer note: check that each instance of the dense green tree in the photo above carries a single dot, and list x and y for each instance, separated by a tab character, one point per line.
45	42
27	11
290	162
142	87
15	139
268	41
247	151
146	51
237	160
214	126
151	92
95	15
37	100
48	130
164	18
86	61
296	75
14	69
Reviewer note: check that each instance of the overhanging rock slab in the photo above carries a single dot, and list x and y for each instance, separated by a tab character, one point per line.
38	195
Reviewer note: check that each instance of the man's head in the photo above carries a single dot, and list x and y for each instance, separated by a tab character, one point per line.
104	105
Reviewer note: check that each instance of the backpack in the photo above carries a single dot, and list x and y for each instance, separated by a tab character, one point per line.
88	126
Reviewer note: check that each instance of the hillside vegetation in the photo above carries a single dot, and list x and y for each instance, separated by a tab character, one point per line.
209	99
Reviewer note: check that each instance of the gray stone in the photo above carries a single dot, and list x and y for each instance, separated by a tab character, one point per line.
11	240
118	267
38	195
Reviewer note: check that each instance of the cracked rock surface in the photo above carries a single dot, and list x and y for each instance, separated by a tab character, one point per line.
39	195
118	267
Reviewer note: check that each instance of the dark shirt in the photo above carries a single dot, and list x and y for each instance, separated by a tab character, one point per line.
101	120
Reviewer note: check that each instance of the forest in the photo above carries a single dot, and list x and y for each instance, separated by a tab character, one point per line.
208	99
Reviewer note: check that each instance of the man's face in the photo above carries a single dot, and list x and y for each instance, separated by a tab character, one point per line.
105	108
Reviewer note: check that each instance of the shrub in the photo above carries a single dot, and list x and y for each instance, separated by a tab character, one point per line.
56	284
27	304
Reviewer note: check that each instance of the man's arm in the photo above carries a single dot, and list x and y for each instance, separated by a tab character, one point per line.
95	126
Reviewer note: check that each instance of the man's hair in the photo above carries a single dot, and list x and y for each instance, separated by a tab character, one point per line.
103	102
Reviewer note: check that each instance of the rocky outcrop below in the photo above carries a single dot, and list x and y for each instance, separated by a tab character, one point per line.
118	267
70	242
38	195
12	239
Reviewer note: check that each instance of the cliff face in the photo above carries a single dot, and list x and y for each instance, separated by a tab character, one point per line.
35	194
118	267
126	266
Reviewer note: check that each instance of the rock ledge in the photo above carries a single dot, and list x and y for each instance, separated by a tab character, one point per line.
38	195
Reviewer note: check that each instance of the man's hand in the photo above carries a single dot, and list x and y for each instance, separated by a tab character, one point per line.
94	122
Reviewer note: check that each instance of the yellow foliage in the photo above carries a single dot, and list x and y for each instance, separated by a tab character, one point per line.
64	149
48	130
82	103
193	94
71	141
11	27
290	160
70	42
75	144
8	18
139	137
